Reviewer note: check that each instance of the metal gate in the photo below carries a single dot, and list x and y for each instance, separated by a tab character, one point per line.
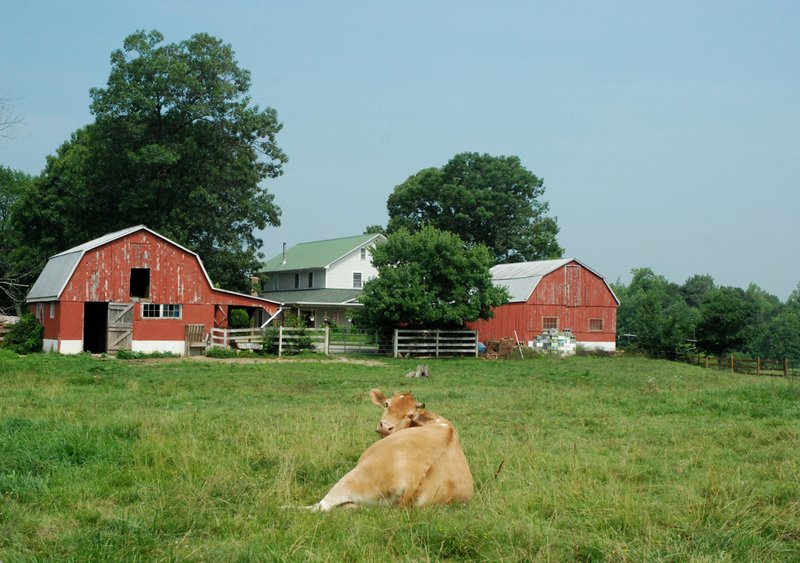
120	326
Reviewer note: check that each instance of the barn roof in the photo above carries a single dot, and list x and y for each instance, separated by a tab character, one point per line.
318	254
60	267
522	278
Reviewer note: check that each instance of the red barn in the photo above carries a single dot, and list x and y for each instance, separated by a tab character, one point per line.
133	289
553	294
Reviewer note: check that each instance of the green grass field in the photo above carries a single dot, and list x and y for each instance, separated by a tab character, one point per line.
616	459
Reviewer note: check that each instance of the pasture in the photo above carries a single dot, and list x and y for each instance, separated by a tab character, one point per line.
593	459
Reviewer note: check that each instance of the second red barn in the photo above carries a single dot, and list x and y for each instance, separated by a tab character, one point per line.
553	294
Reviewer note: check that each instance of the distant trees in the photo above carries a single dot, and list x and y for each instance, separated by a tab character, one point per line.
664	319
177	145
14	278
484	199
429	278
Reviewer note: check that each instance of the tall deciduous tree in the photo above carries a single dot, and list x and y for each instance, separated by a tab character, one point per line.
430	278
13	278
655	314
484	199
177	145
726	319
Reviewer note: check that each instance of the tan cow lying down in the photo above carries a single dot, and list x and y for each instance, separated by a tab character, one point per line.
419	461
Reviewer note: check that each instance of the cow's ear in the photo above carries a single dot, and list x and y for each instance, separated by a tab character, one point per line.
377	397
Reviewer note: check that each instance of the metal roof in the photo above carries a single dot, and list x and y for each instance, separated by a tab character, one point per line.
319	254
60	267
320	296
522	278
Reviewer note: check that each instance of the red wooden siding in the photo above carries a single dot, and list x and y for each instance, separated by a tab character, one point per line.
574	294
176	277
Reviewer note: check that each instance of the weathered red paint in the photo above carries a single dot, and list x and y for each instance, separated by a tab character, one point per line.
574	294
176	277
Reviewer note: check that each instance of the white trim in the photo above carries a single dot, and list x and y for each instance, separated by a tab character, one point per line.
149	346
598	346
70	346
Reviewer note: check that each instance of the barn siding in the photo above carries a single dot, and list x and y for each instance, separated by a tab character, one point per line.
574	296
176	277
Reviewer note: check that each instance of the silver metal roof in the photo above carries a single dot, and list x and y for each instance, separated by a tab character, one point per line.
60	267
522	278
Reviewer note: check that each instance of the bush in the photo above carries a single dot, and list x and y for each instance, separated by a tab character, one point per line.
239	319
24	337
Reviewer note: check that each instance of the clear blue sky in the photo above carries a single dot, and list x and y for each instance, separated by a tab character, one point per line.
667	134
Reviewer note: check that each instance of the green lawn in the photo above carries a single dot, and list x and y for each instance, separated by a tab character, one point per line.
619	459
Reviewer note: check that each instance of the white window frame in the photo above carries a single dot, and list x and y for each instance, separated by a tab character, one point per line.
161	311
544	327
364	253
597	320
52	310
297	280
358	280
310	280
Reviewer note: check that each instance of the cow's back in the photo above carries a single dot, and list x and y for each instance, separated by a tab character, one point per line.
420	465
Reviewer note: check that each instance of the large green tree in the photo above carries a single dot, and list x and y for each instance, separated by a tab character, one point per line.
13	278
178	145
727	316
430	278
654	315
484	199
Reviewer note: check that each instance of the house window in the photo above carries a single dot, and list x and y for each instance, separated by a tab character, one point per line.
40	312
363	253
297	281
157	311
52	310
140	282
595	325
550	323
357	284
310	279
276	284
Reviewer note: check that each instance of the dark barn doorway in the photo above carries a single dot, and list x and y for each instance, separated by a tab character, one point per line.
95	327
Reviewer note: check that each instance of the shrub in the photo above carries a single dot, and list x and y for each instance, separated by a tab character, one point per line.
24	337
239	319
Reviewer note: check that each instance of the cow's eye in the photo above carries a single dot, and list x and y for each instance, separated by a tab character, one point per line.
386	404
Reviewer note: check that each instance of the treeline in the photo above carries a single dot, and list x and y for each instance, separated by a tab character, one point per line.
664	319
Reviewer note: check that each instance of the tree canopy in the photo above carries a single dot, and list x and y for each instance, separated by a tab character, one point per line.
430	278
13	184
177	145
484	199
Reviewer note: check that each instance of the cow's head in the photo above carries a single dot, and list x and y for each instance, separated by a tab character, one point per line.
399	412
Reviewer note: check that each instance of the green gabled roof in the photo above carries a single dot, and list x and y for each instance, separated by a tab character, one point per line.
314	296
315	255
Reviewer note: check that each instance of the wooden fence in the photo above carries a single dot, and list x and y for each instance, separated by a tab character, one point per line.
750	366
283	338
435	343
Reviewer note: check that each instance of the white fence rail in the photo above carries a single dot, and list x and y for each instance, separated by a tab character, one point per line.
285	338
435	343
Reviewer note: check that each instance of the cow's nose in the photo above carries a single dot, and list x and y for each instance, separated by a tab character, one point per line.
384	428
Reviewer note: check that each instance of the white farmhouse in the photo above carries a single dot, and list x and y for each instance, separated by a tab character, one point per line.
321	280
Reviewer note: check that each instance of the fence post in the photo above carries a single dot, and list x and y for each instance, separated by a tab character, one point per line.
758	365
394	342
437	342
280	341
786	366
733	367
706	362
327	340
